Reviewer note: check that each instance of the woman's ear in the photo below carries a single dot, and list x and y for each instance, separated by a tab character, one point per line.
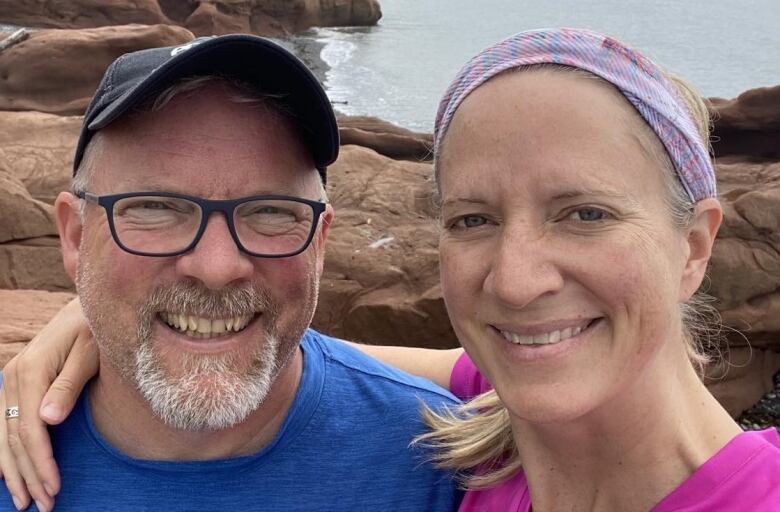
67	212
708	215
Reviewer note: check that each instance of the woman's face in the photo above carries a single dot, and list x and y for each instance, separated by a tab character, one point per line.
561	267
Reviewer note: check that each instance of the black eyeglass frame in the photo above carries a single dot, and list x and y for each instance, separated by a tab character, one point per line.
207	206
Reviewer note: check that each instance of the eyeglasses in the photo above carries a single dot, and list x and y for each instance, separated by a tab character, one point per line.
167	224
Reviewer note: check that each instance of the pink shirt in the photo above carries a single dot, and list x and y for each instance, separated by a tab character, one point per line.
743	476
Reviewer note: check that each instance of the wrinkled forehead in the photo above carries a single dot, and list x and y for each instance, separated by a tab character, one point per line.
208	145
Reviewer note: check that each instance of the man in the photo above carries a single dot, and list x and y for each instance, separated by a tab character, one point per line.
195	234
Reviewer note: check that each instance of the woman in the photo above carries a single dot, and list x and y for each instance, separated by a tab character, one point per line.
578	214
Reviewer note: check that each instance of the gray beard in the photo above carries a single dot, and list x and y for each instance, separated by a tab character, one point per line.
212	391
210	394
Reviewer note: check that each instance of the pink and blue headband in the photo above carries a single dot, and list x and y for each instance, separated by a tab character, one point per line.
640	81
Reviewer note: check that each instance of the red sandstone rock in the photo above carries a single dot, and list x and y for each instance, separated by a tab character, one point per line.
33	264
29	247
754	109
22	216
381	277
37	149
744	379
748	125
57	71
24	313
385	138
323	13
276	17
80	13
745	269
216	18
203	17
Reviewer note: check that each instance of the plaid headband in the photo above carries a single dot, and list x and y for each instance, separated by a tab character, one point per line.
640	81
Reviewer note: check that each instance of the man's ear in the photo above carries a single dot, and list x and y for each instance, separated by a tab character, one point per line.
68	217
326	220
708	215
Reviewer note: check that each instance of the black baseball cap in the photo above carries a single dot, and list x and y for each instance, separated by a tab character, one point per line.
134	77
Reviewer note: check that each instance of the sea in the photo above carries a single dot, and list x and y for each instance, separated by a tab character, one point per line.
399	69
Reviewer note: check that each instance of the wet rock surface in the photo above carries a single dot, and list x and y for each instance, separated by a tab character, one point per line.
766	412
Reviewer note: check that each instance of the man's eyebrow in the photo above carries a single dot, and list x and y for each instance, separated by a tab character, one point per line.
149	186
461	200
174	188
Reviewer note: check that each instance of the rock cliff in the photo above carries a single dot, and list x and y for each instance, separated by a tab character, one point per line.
57	71
202	17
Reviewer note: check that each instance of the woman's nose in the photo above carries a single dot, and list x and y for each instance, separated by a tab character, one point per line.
523	269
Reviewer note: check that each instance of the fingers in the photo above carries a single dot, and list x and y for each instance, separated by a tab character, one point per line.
79	367
13	480
35	450
18	431
26	452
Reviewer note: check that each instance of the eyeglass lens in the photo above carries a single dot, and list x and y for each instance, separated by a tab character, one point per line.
158	225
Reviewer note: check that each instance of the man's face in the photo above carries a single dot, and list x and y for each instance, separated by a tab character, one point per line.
200	144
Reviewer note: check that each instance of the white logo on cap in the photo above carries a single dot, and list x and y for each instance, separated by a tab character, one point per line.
185	47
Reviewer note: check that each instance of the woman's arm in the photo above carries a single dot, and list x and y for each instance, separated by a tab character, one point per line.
44	380
433	364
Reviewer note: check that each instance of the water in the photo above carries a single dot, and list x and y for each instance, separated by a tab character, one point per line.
399	69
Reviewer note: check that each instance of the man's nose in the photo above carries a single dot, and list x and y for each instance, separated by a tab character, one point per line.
523	268
216	260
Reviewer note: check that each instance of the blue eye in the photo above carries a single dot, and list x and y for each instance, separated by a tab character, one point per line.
471	221
588	214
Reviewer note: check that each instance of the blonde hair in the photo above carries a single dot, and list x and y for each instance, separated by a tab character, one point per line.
475	439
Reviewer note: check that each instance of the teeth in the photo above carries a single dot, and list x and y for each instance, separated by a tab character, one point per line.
204	328
204	325
541	339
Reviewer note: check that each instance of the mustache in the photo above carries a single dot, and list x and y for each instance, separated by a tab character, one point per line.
192	297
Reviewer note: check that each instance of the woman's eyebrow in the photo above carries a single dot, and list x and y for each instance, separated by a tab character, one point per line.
587	191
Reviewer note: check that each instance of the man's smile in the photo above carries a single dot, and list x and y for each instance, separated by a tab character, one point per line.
199	327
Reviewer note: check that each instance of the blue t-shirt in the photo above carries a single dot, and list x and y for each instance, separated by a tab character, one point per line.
344	446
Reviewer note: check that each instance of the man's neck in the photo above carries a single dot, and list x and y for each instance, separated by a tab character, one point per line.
126	421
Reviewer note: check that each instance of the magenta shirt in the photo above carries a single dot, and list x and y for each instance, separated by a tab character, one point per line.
743	476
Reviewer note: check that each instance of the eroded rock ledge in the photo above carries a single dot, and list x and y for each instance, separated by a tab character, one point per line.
201	17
